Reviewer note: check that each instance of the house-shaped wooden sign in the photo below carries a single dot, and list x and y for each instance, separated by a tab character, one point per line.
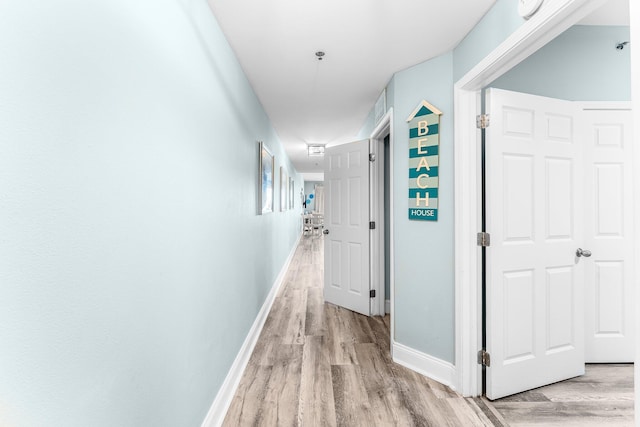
424	162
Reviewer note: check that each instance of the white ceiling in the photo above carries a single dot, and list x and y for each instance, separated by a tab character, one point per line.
614	12
365	41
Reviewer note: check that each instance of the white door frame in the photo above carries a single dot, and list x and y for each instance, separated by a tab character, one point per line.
634	10
551	20
377	210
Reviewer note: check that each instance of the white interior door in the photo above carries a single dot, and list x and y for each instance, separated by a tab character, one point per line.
346	240
609	296
535	315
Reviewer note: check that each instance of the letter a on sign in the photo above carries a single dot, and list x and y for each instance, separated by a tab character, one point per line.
424	162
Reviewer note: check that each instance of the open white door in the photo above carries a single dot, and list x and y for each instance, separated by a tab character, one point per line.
346	240
535	306
609	292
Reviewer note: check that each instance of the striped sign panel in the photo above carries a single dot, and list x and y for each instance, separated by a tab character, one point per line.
424	162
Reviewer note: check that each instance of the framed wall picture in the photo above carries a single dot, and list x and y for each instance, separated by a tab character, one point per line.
266	165
291	193
284	185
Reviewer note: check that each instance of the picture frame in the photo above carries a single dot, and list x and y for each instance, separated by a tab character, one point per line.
266	166
291	193
284	184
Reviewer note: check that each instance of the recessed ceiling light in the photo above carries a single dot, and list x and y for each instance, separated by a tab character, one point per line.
316	150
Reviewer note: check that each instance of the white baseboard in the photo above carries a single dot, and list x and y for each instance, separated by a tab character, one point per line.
429	366
387	306
223	399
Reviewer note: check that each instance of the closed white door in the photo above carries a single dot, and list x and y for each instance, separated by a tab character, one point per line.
535	316
346	239
609	293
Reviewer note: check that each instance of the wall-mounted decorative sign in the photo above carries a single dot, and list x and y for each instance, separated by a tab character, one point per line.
424	162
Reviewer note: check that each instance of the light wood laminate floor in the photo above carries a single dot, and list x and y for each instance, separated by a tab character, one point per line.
317	364
602	397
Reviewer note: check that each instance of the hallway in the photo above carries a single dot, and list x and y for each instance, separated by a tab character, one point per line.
316	364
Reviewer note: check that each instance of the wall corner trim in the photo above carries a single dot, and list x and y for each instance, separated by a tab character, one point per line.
223	399
429	366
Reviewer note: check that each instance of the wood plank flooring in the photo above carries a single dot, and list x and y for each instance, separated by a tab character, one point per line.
602	397
316	364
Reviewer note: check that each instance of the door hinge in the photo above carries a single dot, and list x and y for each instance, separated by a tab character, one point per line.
372	293
482	121
484	358
372	157
484	239
372	225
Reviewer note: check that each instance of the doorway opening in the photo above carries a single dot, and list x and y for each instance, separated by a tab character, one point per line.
381	212
381	226
545	26
558	187
359	223
549	195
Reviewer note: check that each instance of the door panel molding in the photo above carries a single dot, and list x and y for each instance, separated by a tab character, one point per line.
535	305
346	239
610	304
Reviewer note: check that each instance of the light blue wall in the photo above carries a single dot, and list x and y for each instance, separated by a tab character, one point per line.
132	259
494	27
581	64
424	281
369	125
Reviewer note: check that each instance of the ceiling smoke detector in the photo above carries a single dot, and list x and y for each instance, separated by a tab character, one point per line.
319	54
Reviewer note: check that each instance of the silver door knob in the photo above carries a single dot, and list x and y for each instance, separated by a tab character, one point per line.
325	231
583	252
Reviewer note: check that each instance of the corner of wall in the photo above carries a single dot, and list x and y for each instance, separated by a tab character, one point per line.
424	364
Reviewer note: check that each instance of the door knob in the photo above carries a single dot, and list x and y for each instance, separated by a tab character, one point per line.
325	231
583	252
